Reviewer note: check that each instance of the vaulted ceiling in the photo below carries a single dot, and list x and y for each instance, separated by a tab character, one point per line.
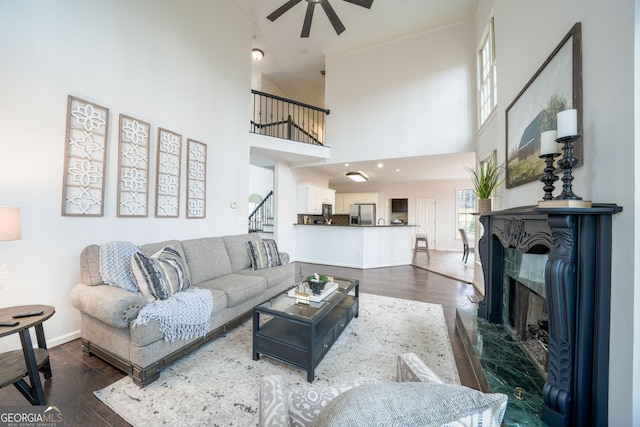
295	64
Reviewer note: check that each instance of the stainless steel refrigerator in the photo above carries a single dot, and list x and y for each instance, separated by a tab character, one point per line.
364	214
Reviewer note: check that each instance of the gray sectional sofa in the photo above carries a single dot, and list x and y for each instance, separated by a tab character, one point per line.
220	264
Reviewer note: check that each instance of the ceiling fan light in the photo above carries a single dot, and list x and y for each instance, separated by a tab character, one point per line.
257	54
358	176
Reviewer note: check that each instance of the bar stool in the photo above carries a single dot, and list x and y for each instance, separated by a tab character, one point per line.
419	248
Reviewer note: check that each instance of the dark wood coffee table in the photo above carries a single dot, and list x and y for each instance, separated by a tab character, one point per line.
301	334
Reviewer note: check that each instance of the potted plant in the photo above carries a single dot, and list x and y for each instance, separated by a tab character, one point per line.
485	182
317	282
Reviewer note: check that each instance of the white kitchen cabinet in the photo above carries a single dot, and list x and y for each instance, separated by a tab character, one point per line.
328	197
365	198
311	198
343	202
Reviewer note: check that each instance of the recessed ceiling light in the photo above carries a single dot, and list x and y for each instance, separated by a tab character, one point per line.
380	165
346	164
397	170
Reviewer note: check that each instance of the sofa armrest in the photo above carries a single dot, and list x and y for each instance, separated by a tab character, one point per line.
273	404
109	304
411	368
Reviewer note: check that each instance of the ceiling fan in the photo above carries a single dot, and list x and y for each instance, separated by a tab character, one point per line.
311	4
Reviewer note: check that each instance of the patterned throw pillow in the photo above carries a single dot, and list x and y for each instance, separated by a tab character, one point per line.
263	254
161	274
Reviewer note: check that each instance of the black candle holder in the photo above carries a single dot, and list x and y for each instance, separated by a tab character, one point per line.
549	178
566	163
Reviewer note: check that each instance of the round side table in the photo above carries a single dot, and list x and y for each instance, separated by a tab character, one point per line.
17	364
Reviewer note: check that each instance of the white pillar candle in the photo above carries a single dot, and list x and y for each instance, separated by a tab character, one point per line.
548	144
567	123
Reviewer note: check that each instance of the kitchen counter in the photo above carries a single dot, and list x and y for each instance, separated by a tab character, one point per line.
361	226
357	246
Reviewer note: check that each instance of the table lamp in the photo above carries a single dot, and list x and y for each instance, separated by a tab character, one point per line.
10	224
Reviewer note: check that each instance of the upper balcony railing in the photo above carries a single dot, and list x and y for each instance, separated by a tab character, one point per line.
283	118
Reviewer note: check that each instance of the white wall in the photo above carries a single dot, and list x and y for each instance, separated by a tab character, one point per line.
158	60
411	97
286	183
526	33
635	377
260	180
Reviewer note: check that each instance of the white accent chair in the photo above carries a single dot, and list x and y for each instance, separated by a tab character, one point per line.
419	397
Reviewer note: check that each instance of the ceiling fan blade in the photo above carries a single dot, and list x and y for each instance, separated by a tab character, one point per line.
282	9
333	17
363	3
306	27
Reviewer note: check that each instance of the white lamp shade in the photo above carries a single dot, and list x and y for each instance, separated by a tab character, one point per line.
10	224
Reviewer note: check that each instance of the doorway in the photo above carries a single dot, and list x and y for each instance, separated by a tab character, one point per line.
426	219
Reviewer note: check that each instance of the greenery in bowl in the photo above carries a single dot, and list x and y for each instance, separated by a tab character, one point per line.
317	282
487	179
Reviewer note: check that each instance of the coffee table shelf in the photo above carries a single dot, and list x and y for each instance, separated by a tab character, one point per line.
299	334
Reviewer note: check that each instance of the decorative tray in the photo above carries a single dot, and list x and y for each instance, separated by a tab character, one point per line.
328	288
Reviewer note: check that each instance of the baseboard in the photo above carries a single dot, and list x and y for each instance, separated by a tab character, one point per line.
62	339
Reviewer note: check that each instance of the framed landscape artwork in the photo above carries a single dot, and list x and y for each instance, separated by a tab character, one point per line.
555	87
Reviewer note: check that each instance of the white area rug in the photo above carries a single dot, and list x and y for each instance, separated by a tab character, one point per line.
218	385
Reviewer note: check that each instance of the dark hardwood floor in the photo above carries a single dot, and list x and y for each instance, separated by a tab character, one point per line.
76	376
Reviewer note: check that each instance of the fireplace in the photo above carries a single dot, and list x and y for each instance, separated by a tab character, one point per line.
574	247
525	304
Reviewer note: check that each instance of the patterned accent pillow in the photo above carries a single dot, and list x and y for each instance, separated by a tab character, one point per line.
263	254
161	274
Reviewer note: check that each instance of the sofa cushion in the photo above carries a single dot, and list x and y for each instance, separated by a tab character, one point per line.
238	287
207	258
263	254
161	274
237	250
406	404
274	275
143	335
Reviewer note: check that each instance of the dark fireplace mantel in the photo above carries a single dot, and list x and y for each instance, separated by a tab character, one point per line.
578	287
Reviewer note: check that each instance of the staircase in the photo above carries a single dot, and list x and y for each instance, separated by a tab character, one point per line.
261	219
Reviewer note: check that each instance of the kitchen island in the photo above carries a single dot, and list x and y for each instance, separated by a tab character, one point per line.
354	246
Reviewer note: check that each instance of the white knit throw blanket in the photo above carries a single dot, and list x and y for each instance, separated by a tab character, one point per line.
184	315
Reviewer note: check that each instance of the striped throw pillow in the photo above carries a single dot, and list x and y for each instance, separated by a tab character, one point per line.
263	254
161	274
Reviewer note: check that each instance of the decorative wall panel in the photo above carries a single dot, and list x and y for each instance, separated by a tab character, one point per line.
168	174
196	179
85	158
133	167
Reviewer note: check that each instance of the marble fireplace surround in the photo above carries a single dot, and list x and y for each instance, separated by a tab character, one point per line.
577	282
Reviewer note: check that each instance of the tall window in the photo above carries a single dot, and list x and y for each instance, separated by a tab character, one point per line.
466	208
487	78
